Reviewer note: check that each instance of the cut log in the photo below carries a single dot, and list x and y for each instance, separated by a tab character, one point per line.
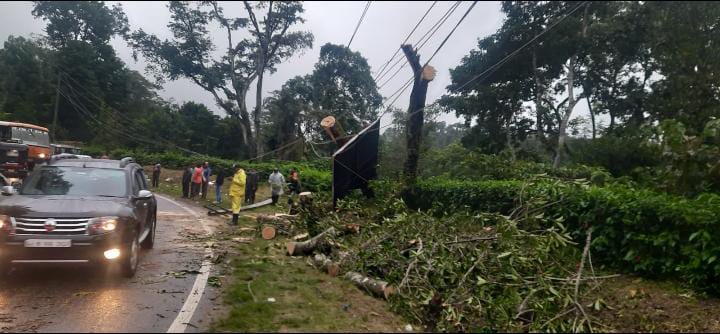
283	219
301	237
375	287
325	265
307	247
333	130
269	232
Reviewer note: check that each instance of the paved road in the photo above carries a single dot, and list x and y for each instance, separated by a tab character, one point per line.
86	299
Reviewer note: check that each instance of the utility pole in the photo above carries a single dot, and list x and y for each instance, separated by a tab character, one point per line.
416	113
55	113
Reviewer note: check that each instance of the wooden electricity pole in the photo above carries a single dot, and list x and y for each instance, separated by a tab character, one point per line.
416	112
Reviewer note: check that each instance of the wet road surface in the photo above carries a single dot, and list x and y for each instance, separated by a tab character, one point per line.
42	298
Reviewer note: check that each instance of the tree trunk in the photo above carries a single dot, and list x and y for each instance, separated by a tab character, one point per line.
416	114
306	247
592	115
334	130
377	288
562	133
256	114
538	96
325	265
508	138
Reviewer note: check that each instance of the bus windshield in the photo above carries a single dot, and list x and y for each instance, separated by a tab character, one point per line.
31	136
5	133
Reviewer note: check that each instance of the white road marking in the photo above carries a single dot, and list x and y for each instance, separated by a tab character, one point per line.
179	325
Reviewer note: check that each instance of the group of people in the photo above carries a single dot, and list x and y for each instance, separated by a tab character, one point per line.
196	180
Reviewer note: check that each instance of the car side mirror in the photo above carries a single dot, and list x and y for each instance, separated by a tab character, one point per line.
8	190
144	194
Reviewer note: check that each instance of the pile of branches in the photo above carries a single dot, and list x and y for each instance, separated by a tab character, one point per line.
469	272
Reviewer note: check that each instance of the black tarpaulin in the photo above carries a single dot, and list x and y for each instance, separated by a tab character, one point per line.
354	164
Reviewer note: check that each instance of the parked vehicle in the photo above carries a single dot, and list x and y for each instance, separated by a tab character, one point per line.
35	137
73	210
13	161
64	148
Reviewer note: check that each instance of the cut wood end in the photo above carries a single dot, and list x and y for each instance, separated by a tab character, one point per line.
327	122
388	291
290	248
333	270
268	233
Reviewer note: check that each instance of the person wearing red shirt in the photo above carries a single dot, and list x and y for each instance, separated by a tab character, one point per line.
197	180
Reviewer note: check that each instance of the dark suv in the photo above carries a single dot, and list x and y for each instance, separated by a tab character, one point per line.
75	210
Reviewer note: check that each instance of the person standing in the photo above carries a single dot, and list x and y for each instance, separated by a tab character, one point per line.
186	180
237	193
207	171
156	175
293	186
197	181
251	186
219	181
277	182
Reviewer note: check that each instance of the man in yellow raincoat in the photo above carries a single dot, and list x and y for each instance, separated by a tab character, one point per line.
237	193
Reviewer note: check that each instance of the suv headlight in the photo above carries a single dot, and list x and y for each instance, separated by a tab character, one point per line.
5	223
102	225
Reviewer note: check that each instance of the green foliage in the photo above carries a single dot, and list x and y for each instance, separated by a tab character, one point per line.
457	162
619	155
691	164
90	21
189	54
470	272
639	231
340	85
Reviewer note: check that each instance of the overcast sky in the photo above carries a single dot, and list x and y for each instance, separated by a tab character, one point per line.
383	29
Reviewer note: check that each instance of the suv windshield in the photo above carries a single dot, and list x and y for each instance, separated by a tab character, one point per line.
75	181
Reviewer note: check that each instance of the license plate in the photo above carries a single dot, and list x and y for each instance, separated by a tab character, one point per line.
49	243
12	153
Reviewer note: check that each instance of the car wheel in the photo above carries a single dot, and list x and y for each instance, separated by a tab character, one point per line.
131	257
149	241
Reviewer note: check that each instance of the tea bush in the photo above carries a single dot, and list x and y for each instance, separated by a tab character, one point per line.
639	231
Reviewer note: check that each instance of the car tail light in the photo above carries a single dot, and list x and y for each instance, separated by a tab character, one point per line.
102	225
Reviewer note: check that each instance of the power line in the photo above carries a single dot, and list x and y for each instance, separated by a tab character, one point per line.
421	42
451	32
514	53
367	6
406	39
131	126
499	63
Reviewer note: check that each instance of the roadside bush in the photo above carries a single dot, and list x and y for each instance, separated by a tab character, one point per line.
458	162
618	155
639	231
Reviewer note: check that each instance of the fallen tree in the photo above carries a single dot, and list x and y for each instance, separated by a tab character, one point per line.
295	248
376	287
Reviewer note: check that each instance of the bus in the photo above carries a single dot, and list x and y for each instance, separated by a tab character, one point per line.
37	139
58	148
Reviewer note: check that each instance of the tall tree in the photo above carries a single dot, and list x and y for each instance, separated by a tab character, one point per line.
422	75
273	43
228	79
341	85
80	33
